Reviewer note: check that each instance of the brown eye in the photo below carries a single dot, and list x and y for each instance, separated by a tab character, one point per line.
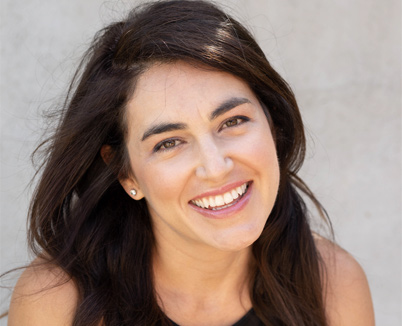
232	122
169	144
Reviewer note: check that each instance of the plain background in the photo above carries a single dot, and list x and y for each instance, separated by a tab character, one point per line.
343	60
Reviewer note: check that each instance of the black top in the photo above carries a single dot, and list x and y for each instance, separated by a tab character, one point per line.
249	319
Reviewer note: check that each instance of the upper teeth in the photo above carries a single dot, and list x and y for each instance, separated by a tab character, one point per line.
221	200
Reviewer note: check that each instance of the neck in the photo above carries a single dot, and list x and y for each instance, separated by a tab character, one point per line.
201	280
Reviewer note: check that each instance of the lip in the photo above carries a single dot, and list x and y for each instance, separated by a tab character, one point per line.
228	211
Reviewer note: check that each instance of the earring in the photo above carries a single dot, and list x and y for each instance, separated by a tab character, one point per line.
133	192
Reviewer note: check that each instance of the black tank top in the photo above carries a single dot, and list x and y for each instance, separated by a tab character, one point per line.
249	319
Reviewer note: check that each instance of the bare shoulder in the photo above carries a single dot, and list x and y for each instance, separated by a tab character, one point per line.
346	290
44	295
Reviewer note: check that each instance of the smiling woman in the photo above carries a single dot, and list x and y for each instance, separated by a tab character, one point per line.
170	195
197	148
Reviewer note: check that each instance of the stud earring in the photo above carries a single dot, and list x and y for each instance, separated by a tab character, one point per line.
133	192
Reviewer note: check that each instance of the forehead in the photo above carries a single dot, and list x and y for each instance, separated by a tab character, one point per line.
181	90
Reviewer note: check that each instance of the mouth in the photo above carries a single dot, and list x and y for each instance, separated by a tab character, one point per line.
225	200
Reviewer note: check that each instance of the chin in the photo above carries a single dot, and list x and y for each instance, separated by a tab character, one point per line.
238	241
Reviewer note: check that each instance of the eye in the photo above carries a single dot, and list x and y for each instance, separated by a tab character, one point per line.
166	145
232	122
235	121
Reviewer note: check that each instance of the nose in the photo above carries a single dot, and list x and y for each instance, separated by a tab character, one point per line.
214	163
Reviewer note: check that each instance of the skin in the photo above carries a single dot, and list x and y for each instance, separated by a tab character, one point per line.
43	295
200	263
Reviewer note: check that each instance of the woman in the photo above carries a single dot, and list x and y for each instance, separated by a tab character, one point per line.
169	190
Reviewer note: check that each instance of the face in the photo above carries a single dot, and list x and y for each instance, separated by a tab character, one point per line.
203	156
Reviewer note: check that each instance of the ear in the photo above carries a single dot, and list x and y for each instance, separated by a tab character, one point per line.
130	184
106	153
127	183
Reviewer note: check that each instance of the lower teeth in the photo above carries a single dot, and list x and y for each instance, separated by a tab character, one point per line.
222	207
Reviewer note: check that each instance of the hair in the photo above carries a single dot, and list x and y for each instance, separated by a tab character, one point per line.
82	220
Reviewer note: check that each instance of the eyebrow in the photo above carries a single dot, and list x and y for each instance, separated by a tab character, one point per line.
163	127
227	106
221	109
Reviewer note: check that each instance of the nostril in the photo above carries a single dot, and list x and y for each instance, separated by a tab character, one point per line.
214	168
200	172
229	162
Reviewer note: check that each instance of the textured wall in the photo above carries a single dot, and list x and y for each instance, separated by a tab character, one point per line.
342	59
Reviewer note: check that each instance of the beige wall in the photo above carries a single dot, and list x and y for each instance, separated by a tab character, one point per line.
342	59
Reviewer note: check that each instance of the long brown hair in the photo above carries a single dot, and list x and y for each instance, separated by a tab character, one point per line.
82	219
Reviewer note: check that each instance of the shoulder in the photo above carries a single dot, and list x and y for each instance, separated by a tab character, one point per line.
44	295
346	290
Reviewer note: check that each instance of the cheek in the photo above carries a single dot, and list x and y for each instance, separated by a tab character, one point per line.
259	148
263	149
261	154
162	183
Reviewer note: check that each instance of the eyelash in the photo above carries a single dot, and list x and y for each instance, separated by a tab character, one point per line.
242	119
159	147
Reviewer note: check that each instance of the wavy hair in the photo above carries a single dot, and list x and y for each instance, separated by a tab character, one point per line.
82	220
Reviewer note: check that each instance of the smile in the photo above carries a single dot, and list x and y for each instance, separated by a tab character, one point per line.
222	201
